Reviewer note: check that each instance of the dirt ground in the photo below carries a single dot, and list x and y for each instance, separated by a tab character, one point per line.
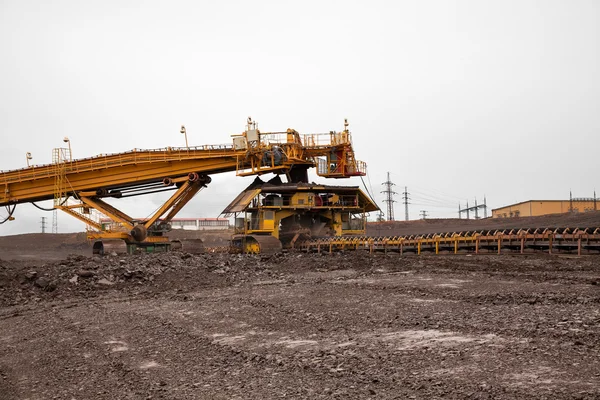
295	325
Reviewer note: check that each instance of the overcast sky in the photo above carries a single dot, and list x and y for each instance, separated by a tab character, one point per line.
457	99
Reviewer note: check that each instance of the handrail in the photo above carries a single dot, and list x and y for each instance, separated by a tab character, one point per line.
104	161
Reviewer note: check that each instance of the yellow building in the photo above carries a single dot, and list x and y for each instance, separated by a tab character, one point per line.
532	208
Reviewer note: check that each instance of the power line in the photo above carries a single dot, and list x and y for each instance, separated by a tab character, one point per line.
433	199
434	206
434	192
434	202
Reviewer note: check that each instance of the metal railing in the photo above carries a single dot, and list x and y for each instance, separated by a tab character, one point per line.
103	161
326	139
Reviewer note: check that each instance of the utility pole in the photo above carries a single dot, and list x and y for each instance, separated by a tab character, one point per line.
424	214
405	201
484	207
570	201
43	224
389	193
54	221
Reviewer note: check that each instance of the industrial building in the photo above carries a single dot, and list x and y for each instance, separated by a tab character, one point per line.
200	224
532	208
195	224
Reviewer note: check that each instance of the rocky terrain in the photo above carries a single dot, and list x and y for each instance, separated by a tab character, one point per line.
347	325
302	326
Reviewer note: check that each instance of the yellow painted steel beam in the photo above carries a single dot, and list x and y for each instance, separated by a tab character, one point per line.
109	211
147	166
19	189
135	157
105	207
176	201
85	178
80	217
91	235
157	239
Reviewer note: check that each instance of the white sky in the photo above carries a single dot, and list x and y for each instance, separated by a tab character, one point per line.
456	99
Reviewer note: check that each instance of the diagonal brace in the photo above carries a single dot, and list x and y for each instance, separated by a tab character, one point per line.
81	217
179	199
108	210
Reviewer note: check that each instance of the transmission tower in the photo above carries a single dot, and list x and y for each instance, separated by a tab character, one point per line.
389	193
424	214
405	199
474	208
43	224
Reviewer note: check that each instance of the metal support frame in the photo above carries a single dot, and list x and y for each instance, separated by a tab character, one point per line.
552	241
189	188
181	197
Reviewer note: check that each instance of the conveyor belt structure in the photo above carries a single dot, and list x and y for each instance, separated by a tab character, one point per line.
549	240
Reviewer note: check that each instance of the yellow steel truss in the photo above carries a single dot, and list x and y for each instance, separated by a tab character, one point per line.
87	180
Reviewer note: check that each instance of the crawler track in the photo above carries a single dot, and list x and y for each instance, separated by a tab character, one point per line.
525	240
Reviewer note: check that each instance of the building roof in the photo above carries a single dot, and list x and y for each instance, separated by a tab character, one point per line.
242	201
543	201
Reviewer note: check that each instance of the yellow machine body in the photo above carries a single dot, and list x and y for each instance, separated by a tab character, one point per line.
290	211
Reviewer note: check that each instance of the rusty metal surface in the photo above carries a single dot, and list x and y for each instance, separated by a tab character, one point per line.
268	244
193	246
106	247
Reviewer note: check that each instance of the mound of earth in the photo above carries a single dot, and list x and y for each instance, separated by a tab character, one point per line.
53	246
402	228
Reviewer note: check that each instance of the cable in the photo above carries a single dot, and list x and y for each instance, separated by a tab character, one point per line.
10	213
433	197
367	190
432	206
370	185
42	208
434	202
438	193
50	209
434	192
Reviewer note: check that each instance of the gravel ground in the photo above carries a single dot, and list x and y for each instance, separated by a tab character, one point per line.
301	326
